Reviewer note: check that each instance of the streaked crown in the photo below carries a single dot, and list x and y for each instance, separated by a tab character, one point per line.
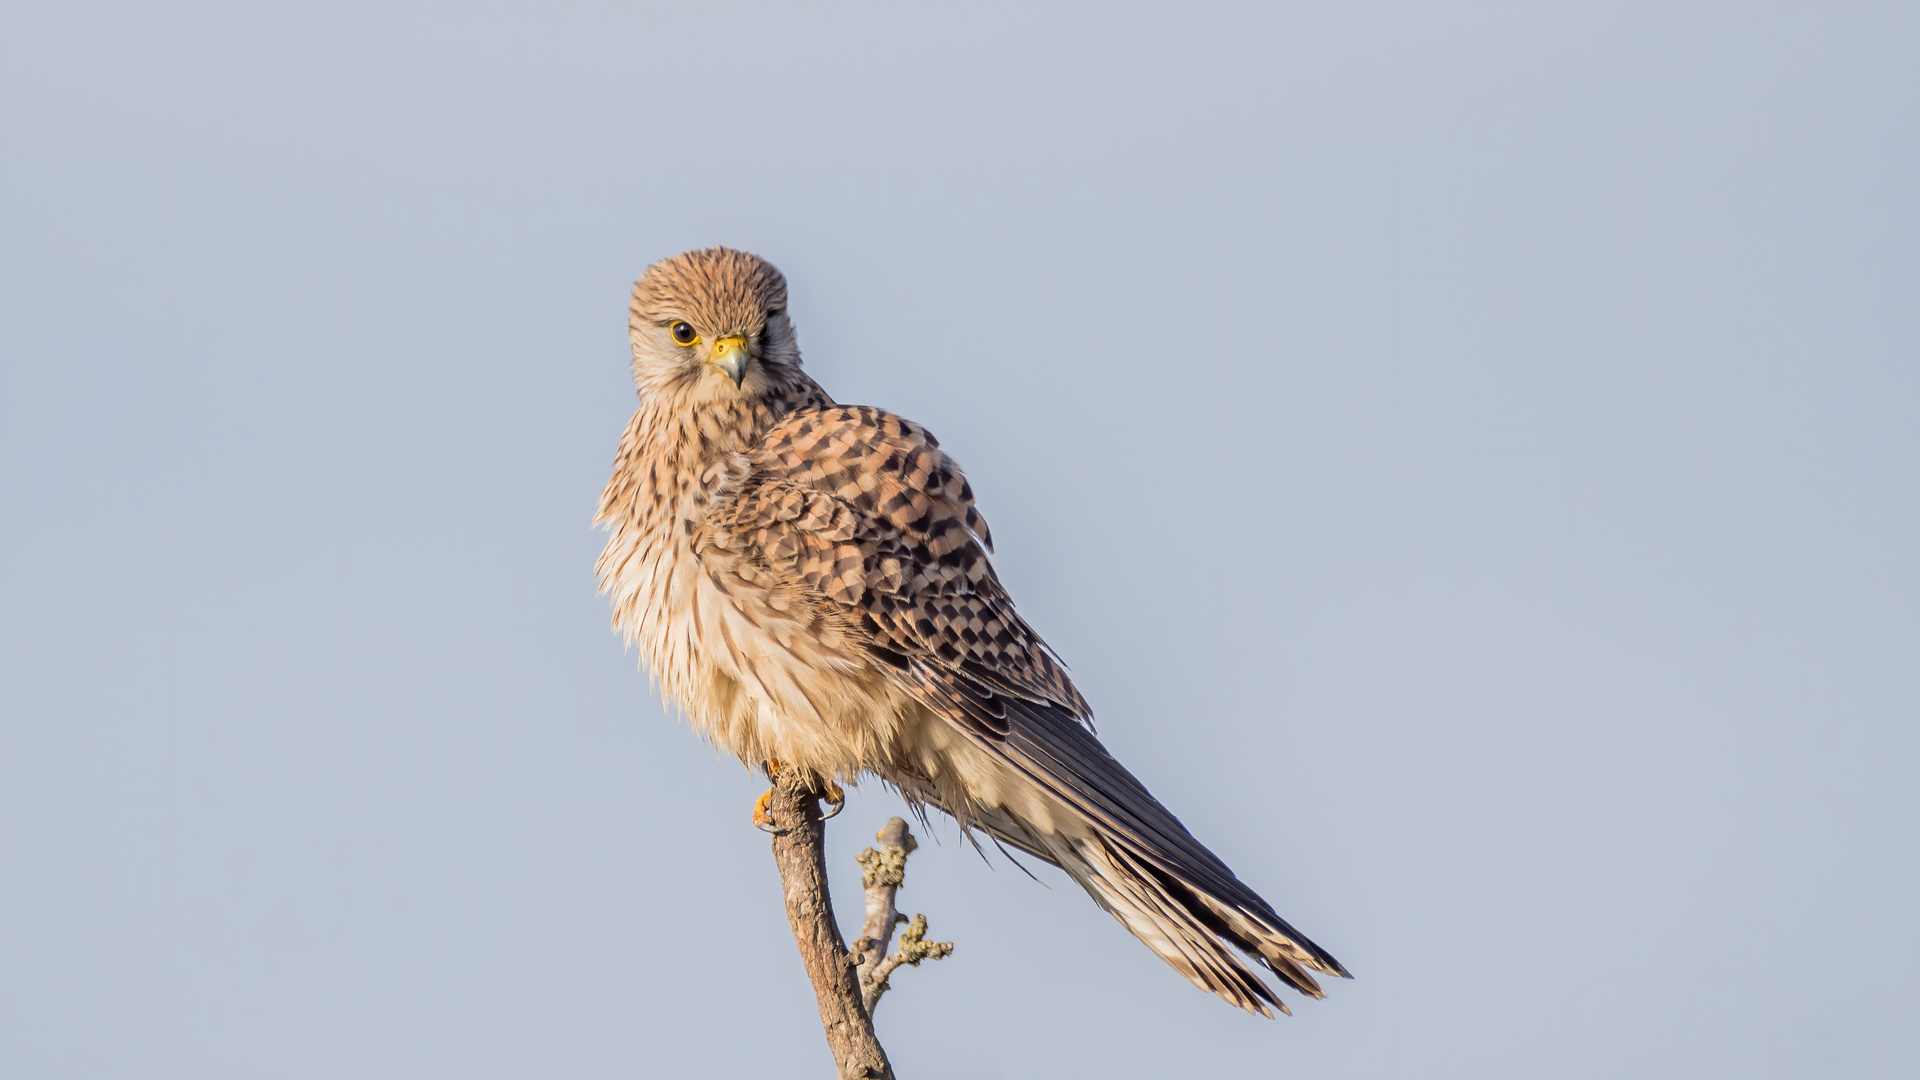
719	290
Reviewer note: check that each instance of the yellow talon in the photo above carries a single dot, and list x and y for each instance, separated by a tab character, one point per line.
762	819
836	800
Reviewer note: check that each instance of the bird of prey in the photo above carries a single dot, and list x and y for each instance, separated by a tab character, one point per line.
809	583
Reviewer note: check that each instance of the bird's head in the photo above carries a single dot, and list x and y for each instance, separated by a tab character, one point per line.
711	325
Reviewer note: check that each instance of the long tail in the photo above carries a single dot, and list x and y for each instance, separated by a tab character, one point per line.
1129	852
1177	917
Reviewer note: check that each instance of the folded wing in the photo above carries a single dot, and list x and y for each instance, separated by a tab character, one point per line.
863	507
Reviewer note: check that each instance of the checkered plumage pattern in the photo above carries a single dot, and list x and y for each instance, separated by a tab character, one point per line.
810	583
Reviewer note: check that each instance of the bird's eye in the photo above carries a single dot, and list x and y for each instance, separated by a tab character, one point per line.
683	333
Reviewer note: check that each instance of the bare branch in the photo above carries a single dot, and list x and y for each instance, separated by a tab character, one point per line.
914	947
882	871
798	849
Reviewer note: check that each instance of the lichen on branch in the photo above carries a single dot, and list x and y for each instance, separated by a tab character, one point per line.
883	870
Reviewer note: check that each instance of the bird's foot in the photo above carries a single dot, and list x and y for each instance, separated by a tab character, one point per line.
836	800
762	820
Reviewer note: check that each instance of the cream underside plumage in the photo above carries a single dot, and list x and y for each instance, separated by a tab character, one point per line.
810	584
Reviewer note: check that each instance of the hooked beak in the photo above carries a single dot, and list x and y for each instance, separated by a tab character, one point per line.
730	356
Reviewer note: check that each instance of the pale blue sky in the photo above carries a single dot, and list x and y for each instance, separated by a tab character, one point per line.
1469	454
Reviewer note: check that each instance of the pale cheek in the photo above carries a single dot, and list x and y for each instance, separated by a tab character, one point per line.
663	361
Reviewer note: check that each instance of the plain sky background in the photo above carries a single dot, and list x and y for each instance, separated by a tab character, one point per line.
1469	454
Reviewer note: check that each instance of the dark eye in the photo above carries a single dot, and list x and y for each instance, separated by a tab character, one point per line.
683	333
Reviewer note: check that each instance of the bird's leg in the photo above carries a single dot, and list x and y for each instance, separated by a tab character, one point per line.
836	798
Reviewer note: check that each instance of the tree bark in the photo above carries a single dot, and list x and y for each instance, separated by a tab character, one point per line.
799	849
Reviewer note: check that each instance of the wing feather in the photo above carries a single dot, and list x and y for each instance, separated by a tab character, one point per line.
863	507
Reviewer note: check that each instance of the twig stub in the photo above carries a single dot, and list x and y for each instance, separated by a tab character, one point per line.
883	870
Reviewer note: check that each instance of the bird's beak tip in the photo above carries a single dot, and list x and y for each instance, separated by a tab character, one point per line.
730	356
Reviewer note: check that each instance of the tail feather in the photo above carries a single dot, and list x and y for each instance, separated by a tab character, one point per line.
1154	914
1182	936
1186	927
1113	837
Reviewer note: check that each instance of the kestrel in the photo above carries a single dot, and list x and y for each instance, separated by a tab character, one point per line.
809	583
